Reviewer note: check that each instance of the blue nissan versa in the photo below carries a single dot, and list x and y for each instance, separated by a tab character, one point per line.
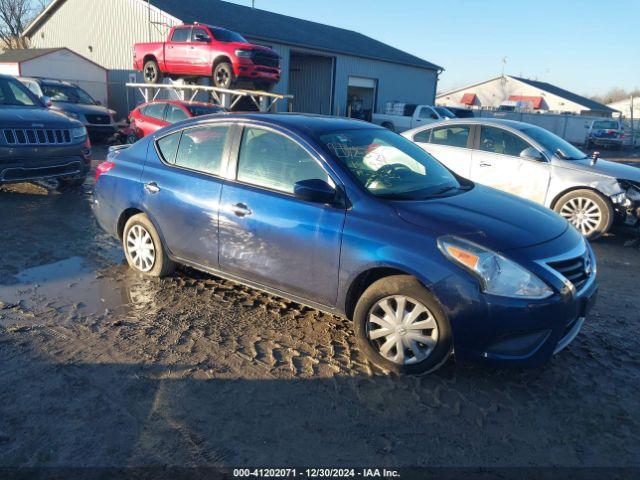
353	219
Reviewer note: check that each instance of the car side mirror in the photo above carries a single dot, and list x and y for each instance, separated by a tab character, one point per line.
98	102
199	37
46	101
314	191
531	154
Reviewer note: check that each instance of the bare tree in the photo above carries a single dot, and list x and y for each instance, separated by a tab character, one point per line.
614	94
15	15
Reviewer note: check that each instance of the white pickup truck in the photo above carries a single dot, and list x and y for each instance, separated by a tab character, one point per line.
422	115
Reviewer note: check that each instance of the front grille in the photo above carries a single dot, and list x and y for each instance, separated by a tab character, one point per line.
576	270
36	136
98	119
266	59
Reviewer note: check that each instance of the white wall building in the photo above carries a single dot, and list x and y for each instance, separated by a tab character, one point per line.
541	95
59	63
624	107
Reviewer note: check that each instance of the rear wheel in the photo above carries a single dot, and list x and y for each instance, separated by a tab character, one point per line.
588	211
151	72
223	76
143	248
400	326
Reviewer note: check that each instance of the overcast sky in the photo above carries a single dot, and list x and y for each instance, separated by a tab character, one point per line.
587	46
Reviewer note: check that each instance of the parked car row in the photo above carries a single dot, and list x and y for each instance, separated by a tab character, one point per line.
353	219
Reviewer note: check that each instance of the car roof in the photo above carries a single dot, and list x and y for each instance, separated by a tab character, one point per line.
302	123
498	122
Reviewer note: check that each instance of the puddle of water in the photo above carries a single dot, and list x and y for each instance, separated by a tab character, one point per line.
74	283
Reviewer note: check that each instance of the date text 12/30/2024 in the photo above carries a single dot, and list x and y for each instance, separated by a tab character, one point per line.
315	473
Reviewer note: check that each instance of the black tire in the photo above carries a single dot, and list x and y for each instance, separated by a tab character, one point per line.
564	205
162	265
223	76
389	126
410	287
151	72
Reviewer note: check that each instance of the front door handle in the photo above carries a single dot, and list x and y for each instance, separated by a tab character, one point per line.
486	164
241	210
152	187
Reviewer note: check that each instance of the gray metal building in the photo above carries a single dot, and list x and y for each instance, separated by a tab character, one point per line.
322	66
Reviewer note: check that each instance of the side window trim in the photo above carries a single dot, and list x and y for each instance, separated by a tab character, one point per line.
226	151
234	158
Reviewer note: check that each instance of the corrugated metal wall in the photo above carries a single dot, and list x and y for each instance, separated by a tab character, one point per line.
311	83
105	31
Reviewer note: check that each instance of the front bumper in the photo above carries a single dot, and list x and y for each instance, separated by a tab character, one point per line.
249	71
103	130
26	163
516	332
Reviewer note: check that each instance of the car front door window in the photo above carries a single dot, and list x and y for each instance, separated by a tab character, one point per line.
273	161
497	140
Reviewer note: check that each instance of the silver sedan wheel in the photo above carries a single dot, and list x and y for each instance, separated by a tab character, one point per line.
583	213
140	248
402	329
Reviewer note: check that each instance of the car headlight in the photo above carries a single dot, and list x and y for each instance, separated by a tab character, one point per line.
244	53
78	132
497	275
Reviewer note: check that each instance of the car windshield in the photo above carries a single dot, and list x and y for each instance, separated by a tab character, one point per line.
14	93
223	35
606	125
199	110
554	143
445	112
390	166
67	93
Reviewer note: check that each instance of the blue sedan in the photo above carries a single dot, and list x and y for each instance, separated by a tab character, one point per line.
352	219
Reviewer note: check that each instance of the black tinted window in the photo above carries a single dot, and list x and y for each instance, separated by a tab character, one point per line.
154	110
422	137
181	35
452	136
201	148
168	146
273	161
175	114
497	140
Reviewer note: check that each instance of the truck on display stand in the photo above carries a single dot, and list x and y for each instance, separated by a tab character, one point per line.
196	51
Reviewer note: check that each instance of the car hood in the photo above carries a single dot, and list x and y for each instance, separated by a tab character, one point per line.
488	217
34	117
84	109
604	167
253	46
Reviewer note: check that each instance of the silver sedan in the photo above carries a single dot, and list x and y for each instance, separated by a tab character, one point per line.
533	163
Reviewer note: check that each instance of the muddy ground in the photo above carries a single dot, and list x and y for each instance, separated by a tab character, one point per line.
101	367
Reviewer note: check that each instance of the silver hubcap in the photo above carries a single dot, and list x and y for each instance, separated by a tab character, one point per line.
140	248
402	329
583	213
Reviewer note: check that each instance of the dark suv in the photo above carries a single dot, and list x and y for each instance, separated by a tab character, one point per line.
37	143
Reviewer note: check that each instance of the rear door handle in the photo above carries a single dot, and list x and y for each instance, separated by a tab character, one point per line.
241	210
152	187
486	164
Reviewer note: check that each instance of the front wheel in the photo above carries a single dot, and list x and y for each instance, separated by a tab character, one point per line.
588	211
223	76
400	326
143	248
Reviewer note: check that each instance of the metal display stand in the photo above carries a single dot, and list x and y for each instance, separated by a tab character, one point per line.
264	101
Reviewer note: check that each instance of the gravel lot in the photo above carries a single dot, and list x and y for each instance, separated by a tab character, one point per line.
101	367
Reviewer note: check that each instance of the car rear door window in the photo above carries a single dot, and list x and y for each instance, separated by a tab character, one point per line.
181	35
175	114
273	161
452	136
168	146
154	110
497	140
202	148
423	136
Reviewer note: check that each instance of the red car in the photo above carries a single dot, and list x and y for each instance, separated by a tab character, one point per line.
150	117
194	51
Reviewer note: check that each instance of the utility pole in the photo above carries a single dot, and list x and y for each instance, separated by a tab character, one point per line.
633	131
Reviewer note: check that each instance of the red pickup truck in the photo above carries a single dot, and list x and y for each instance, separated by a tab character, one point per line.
193	51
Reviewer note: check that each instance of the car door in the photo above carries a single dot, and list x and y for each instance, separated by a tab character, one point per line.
200	52
151	118
177	52
267	235
182	190
499	161
450	144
